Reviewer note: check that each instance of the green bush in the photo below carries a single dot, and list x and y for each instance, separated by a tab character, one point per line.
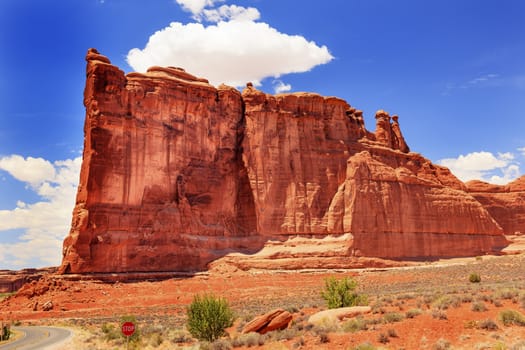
6	333
512	317
474	278
340	293
208	317
110	332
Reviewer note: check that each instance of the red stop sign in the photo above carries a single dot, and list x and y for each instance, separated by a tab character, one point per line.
128	328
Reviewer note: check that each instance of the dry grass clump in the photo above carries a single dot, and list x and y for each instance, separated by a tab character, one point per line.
478	307
512	317
413	313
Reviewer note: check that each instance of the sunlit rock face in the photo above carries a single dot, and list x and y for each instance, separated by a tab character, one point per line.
505	203
177	173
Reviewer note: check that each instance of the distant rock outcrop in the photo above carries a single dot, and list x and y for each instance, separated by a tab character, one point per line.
505	203
177	173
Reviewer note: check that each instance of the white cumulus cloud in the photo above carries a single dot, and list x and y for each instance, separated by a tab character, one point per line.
41	226
234	51
230	12
279	86
498	169
196	6
30	170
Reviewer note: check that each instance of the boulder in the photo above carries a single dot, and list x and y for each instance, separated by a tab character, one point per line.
274	320
47	306
332	316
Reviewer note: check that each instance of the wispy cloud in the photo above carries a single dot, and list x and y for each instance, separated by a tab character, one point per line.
499	168
484	80
39	227
234	49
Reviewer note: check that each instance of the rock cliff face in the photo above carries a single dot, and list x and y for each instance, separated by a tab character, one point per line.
177	173
506	203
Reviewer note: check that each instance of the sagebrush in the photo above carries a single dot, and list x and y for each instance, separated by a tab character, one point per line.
341	293
208	317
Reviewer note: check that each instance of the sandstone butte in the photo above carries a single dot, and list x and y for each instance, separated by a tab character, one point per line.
177	173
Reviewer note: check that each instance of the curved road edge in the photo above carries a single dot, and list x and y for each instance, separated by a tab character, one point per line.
39	338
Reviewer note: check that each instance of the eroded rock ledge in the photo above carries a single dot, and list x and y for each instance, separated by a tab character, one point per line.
177	173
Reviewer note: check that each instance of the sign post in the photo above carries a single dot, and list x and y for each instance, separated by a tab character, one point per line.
128	328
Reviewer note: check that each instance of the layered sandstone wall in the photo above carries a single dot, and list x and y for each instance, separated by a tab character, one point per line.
162	182
505	203
177	173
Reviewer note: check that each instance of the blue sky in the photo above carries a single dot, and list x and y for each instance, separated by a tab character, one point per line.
454	71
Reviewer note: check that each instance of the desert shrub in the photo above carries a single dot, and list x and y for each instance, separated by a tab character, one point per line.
110	331
407	296
512	317
485	298
392	317
322	333
181	336
441	344
208	317
506	294
340	293
365	346
285	334
221	344
446	301
392	333
466	298
413	313
6	333
155	340
249	340
439	314
355	325
487	325
474	278
478	307
383	338
299	343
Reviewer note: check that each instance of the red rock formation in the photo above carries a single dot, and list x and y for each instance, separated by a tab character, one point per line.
506	203
11	281
406	211
274	320
177	173
162	184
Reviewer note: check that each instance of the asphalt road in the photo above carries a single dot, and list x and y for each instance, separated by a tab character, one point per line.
38	338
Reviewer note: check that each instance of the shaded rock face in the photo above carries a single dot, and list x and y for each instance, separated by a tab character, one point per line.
177	173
